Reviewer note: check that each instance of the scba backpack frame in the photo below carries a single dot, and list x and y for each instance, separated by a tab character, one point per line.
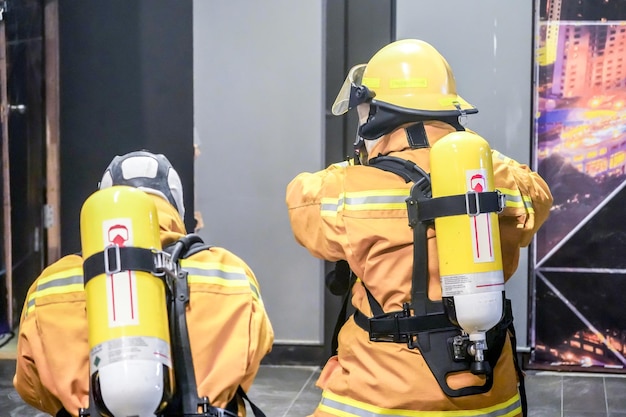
163	265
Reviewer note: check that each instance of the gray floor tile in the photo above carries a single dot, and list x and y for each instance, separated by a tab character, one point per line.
285	390
10	401
544	393
544	412
307	400
616	394
584	394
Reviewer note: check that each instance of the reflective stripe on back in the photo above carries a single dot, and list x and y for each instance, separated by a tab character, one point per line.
393	199
396	200
219	274
71	281
60	283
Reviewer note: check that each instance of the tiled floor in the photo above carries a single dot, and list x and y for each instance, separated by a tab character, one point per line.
289	391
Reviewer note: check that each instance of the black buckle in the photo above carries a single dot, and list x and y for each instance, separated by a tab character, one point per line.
472	202
114	250
396	336
209	411
475	210
501	201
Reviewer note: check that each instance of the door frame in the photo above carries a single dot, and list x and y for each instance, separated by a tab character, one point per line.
51	212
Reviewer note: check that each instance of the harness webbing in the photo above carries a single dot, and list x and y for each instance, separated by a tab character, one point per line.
424	322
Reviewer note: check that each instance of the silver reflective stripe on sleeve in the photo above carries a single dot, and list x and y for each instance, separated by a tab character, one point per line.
219	274
394	199
61	283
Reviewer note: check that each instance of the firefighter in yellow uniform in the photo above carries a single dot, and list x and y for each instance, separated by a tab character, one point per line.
406	100
229	330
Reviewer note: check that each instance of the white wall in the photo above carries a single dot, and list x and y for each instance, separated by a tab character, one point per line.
259	121
488	44
258	84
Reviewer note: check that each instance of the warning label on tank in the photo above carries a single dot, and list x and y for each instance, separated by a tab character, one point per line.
131	348
122	297
461	284
481	229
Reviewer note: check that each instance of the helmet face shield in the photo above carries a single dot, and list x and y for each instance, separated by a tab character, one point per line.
352	92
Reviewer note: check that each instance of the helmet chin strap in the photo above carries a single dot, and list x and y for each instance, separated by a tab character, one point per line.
416	136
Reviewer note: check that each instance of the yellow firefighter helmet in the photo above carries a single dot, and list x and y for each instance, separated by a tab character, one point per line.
409	75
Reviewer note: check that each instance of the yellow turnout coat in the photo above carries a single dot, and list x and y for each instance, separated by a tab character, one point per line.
351	212
229	329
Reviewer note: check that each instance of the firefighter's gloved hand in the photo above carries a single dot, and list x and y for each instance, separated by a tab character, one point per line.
338	280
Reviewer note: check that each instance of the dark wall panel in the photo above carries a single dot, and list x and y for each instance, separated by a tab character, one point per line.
355	30
126	78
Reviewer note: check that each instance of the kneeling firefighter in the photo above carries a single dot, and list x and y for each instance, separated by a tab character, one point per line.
431	221
146	320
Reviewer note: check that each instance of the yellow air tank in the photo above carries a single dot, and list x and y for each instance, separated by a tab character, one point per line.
130	358
470	259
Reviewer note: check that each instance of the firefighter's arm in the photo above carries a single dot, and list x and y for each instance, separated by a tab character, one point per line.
64	334
313	201
53	350
528	202
29	362
261	333
528	197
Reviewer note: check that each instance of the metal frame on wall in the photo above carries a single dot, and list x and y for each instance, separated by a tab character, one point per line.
579	267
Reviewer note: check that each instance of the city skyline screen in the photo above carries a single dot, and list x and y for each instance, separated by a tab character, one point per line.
579	143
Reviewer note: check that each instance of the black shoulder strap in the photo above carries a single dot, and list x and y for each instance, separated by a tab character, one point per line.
410	172
186	393
342	268
406	169
188	400
186	246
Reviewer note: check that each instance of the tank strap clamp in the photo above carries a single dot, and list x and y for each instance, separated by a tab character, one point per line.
108	269
468	203
501	201
163	264
495	199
